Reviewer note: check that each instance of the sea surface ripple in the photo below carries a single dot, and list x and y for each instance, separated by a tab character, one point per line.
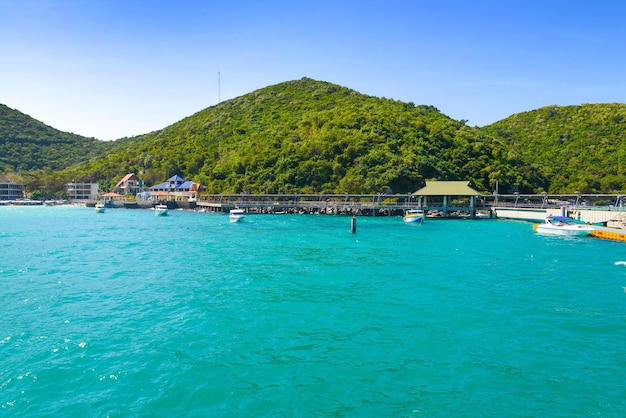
129	314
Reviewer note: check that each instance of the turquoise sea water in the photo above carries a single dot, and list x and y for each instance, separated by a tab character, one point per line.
129	314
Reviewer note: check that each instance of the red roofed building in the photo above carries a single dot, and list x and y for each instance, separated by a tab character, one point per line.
130	184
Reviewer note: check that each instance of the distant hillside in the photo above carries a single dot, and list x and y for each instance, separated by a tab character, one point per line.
577	148
308	136
311	136
27	144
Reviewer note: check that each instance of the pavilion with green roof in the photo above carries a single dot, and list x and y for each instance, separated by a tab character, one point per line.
448	196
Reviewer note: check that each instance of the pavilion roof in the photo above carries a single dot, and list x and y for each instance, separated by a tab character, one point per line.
446	188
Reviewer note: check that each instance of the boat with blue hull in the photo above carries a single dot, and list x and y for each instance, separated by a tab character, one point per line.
414	216
236	215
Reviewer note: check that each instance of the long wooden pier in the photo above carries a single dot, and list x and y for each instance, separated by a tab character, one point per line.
532	207
335	204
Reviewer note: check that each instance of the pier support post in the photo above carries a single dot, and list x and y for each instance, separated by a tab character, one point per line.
353	224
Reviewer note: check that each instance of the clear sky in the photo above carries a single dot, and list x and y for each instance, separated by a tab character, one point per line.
115	68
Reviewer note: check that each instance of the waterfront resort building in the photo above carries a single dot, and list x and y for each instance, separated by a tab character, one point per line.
10	191
129	185
174	188
81	192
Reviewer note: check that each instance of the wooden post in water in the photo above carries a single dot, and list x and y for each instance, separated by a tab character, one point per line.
353	224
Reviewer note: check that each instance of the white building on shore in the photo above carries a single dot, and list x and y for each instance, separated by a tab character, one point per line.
81	192
11	191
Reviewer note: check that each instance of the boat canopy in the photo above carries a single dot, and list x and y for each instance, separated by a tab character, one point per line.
560	218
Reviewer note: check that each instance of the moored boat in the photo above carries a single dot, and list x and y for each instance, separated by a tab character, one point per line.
236	215
100	207
564	226
414	216
160	210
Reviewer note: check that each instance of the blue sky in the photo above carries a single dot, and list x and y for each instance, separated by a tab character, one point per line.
115	68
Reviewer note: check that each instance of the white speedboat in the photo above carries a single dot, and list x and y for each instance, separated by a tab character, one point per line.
100	207
160	210
236	215
414	216
564	226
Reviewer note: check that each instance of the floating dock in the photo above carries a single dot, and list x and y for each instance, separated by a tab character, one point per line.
612	234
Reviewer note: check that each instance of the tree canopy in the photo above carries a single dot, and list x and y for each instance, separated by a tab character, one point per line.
27	144
576	148
308	136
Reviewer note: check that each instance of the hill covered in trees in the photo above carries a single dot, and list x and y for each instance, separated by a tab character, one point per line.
578	148
309	136
27	144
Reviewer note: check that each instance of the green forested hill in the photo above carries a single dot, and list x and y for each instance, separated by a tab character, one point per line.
577	148
27	144
308	136
311	136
